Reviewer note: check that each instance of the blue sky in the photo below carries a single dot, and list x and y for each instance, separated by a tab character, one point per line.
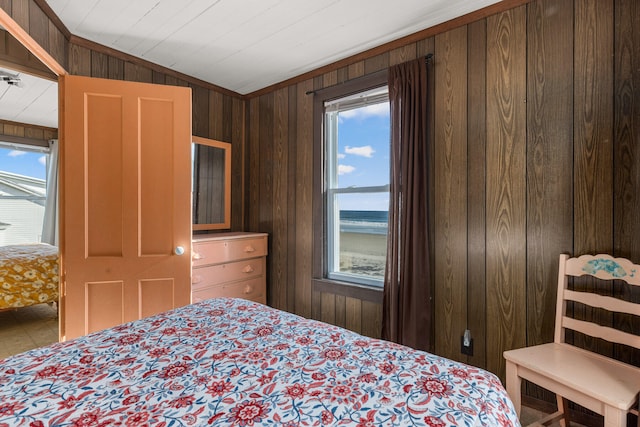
363	151
363	155
23	162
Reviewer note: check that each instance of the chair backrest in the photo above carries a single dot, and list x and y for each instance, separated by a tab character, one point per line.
603	267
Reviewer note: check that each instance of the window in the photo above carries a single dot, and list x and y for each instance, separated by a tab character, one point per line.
356	204
23	171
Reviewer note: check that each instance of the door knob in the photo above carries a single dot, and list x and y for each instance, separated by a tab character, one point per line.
179	250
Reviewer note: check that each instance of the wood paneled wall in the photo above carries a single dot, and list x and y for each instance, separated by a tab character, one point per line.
537	152
536	128
216	114
22	133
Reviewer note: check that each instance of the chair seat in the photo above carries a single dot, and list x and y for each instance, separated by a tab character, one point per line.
584	372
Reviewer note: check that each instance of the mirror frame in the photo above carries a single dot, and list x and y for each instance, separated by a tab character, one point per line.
226	224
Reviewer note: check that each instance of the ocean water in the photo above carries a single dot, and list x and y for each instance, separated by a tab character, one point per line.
370	222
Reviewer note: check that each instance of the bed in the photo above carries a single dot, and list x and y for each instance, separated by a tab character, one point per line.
28	275
232	362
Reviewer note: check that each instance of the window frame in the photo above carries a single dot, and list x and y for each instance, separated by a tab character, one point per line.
320	281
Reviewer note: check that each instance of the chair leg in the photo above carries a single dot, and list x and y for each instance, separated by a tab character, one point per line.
563	408
514	386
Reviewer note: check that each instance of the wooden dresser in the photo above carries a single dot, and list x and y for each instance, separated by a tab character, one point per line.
229	265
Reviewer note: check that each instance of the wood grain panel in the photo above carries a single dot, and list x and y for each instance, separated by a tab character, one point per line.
476	188
39	26
425	47
593	143
237	166
116	68
253	170
627	155
593	90
506	185
280	253
227	120
292	170
6	6
403	54
328	307
79	60
137	73
371	319
99	65
353	315
549	153
450	188
200	113
329	79
216	116
20	12
304	191
57	44
266	172
356	69
627	129
341	311
13	129
376	63
15	56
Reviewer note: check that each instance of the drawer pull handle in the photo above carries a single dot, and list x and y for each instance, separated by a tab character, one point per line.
248	289
248	249
197	255
196	279
247	269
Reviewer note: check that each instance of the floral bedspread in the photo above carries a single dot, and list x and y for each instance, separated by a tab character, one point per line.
231	362
28	275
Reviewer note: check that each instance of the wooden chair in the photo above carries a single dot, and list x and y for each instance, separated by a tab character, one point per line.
599	383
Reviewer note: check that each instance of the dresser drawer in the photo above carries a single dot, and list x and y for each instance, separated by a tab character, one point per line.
217	251
232	271
253	290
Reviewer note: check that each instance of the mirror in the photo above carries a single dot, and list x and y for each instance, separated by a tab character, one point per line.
211	184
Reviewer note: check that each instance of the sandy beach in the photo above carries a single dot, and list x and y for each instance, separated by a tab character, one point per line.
363	253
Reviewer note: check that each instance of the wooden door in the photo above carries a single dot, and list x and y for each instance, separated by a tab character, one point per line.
125	202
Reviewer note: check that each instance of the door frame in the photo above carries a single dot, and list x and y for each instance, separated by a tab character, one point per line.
27	41
20	34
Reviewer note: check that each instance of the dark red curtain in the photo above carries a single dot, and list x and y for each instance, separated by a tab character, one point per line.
407	288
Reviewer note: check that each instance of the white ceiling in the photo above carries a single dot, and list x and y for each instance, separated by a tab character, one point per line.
246	45
34	100
240	45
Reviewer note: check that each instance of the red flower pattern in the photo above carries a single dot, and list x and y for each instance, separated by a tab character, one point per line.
434	422
174	370
249	364
435	387
248	413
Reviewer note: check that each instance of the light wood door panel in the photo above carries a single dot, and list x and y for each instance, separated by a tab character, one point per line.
126	201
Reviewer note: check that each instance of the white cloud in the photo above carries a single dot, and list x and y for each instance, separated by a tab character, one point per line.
341	155
42	160
368	111
16	153
364	151
344	169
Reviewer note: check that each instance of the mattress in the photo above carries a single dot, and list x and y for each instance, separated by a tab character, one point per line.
232	362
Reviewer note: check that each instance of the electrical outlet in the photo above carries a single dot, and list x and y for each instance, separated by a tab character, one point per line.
466	343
